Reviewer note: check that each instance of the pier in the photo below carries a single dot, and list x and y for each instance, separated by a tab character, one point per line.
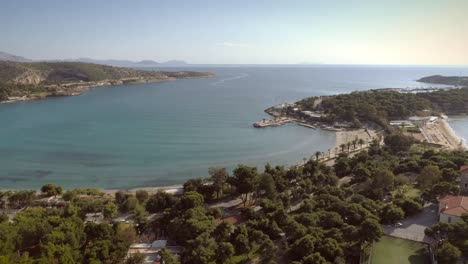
277	121
306	125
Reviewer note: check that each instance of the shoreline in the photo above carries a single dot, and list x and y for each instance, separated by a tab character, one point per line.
76	89
442	134
172	189
458	142
342	137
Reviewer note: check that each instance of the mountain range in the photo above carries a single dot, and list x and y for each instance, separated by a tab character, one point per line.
10	57
118	63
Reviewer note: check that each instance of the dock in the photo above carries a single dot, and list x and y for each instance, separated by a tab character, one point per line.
307	125
277	121
330	128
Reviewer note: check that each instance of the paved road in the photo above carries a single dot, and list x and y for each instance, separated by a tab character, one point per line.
413	227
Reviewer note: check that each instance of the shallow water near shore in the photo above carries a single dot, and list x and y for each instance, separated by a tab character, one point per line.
459	125
161	134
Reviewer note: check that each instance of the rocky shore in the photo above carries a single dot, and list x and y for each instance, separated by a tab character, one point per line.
21	81
77	88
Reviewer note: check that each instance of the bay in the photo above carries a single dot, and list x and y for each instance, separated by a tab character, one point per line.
161	134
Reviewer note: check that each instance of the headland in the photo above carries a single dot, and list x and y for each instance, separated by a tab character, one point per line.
364	116
24	81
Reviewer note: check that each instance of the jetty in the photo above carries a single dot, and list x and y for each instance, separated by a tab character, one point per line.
307	125
277	121
330	128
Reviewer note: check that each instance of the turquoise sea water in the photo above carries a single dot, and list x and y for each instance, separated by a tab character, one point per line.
164	133
459	124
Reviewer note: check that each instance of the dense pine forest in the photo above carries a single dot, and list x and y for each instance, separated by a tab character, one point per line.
298	214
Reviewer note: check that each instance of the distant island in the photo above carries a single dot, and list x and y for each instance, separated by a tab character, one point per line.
447	80
21	81
129	63
4	56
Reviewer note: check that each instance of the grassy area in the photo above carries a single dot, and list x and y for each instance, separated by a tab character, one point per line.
419	147
244	258
408	191
391	250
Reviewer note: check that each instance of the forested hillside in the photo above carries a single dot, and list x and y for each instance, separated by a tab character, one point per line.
42	79
379	106
447	80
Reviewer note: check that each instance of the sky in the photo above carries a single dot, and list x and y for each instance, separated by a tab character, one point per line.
416	32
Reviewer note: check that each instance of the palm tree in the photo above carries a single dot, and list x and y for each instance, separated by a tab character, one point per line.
317	155
348	145
342	146
304	159
336	151
329	153
361	142
354	144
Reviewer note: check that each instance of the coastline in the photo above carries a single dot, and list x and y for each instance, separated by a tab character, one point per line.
343	137
442	134
76	89
172	189
457	142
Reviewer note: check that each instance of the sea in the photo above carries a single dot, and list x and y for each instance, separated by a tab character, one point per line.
161	134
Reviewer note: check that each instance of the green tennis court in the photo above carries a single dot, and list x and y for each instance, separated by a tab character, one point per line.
392	250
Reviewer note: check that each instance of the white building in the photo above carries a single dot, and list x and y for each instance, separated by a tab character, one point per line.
423	120
312	114
401	123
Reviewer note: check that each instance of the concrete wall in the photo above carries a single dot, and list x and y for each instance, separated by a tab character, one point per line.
445	218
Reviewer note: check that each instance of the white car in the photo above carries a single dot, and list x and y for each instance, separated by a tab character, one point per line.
397	224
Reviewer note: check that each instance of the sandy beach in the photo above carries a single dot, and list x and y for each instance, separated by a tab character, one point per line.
450	135
343	137
441	133
175	189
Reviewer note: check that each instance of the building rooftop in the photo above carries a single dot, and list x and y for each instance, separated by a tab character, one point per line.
453	205
419	118
463	168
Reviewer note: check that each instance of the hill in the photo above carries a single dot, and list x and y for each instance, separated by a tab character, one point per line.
31	80
380	106
10	57
128	63
447	80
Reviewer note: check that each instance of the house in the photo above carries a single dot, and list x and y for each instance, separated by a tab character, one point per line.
451	208
464	180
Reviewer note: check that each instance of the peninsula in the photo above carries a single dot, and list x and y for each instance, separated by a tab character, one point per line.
381	111
446	80
22	81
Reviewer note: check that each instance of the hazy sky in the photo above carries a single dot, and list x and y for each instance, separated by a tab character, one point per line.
237	31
